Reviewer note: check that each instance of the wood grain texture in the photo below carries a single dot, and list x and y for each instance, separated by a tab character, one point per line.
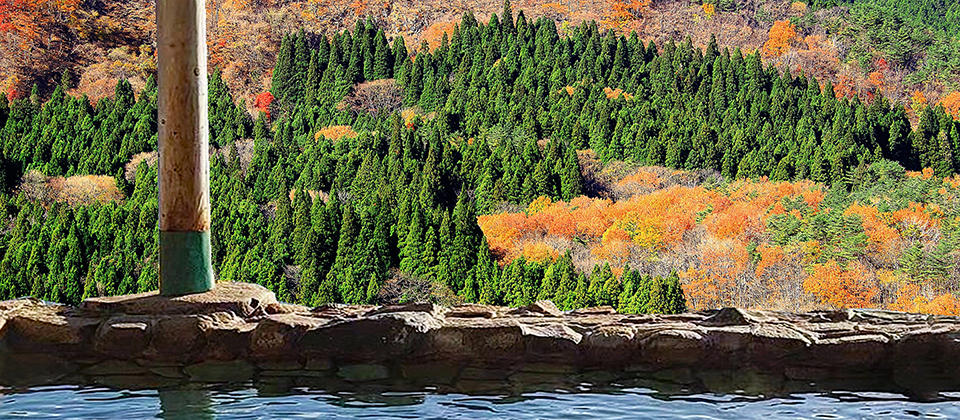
182	103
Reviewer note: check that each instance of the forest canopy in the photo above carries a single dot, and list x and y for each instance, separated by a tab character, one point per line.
362	178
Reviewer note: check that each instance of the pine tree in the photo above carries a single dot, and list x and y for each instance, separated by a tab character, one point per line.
281	78
340	280
413	246
598	278
383	58
510	290
630	281
566	281
507	18
580	298
612	288
401	56
485	278
676	301
280	230
571	180
370	264
302	227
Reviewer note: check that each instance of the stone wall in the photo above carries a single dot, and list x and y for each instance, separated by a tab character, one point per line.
239	332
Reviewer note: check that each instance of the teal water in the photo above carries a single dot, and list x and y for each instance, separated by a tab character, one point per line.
73	402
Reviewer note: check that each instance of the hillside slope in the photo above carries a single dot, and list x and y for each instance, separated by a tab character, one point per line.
863	47
366	182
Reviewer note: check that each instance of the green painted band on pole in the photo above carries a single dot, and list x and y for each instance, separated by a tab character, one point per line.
185	265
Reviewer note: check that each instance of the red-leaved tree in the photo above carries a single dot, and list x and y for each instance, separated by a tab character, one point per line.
263	102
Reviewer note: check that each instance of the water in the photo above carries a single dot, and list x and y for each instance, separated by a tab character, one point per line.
247	402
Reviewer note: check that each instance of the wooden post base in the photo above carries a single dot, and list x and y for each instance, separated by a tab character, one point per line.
185	265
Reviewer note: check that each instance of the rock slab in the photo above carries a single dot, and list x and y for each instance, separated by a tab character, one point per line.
240	332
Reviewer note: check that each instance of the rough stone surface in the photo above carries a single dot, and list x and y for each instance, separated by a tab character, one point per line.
284	365
243	299
596	310
424	307
472	311
176	337
240	332
319	363
42	324
284	308
538	308
277	335
123	337
33	369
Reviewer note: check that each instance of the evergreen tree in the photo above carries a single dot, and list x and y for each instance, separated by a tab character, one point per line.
484	284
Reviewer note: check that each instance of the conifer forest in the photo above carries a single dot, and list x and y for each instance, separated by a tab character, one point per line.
510	161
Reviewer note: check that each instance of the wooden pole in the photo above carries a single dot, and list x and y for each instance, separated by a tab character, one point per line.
185	265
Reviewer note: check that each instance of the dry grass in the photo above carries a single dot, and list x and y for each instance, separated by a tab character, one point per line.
615	93
81	190
244	152
313	195
336	132
86	189
590	167
622	180
434	33
130	169
99	79
410	115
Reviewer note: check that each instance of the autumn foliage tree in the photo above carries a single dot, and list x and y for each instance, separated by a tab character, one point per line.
263	102
36	39
780	36
508	113
849	287
709	9
785	245
29	19
624	12
951	103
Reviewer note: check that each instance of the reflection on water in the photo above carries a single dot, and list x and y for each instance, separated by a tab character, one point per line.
247	401
186	404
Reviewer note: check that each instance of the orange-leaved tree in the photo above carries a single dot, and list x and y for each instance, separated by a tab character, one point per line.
945	304
850	287
26	18
917	101
709	9
885	243
435	32
540	252
951	103
910	299
727	263
781	34
623	12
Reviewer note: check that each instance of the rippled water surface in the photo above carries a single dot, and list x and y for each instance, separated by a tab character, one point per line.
633	403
